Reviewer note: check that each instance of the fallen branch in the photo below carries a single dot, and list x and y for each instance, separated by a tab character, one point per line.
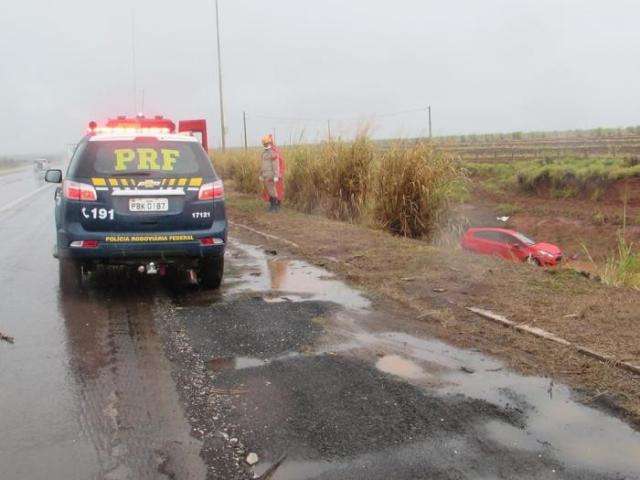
6	338
539	332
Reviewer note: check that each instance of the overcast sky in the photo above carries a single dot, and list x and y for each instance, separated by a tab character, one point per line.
484	66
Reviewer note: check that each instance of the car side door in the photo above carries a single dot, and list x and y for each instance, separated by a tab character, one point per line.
514	249
486	242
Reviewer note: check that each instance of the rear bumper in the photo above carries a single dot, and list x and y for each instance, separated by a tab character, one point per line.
129	247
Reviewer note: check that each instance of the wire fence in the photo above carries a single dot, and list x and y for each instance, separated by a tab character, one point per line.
292	130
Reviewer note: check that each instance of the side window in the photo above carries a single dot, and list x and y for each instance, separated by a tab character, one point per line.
510	240
491	236
77	153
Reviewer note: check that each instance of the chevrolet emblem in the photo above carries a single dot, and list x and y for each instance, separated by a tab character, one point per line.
149	183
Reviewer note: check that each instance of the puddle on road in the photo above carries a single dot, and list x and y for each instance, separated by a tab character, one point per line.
576	434
296	470
512	437
236	363
289	280
400	367
554	424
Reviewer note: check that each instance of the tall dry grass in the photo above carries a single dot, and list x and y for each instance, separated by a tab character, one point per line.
407	190
414	189
349	170
333	178
305	178
243	167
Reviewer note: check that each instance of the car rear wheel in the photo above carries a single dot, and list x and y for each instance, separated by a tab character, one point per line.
69	275
211	271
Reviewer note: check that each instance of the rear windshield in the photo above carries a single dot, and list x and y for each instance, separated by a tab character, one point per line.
140	157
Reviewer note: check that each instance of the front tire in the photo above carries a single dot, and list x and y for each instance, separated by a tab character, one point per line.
211	272
69	275
531	260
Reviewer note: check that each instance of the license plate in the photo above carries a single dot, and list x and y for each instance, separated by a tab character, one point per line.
149	205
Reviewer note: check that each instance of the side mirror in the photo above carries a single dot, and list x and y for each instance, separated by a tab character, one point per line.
53	176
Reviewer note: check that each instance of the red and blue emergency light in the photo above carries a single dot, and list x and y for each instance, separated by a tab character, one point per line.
156	125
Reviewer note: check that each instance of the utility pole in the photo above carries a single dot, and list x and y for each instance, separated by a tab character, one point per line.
329	128
133	62
429	108
222	129
244	129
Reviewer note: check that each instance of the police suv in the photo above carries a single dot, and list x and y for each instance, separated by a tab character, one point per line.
139	194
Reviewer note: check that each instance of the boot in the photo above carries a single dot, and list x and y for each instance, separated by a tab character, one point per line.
277	205
272	204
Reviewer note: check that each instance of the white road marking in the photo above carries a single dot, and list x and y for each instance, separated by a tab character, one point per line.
19	200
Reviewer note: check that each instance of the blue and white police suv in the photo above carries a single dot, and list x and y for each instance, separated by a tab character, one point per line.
139	194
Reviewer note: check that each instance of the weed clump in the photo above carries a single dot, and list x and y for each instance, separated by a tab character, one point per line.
622	269
348	169
414	188
305	179
333	178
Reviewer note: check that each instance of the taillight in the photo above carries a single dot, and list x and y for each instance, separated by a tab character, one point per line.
211	191
79	191
85	244
209	241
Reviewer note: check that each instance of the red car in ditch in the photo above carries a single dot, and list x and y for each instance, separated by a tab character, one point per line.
510	245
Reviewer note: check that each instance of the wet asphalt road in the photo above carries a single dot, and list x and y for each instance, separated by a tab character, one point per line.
137	379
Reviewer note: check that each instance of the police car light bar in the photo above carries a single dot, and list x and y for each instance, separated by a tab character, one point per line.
130	130
133	125
157	125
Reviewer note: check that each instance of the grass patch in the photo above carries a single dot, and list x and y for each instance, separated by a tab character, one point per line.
507	209
621	269
567	177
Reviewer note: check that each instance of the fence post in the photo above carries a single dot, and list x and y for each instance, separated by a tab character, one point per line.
244	127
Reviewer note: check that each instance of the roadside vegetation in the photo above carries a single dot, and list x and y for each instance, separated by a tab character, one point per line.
623	268
7	163
407	189
594	133
567	177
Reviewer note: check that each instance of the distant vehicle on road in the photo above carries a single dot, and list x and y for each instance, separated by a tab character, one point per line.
510	245
40	164
138	194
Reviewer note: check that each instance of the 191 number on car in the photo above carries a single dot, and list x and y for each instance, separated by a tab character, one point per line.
98	213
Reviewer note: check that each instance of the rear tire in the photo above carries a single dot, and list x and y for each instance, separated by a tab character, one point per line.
211	271
69	275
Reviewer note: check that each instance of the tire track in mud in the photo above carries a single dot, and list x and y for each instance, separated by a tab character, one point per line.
130	408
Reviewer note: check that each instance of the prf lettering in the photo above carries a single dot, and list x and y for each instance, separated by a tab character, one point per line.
146	159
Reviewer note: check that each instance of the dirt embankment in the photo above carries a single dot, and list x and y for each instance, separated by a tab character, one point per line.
439	283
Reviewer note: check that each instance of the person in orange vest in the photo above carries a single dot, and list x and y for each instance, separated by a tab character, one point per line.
272	174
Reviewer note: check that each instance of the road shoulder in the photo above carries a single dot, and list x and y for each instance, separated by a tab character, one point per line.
438	285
